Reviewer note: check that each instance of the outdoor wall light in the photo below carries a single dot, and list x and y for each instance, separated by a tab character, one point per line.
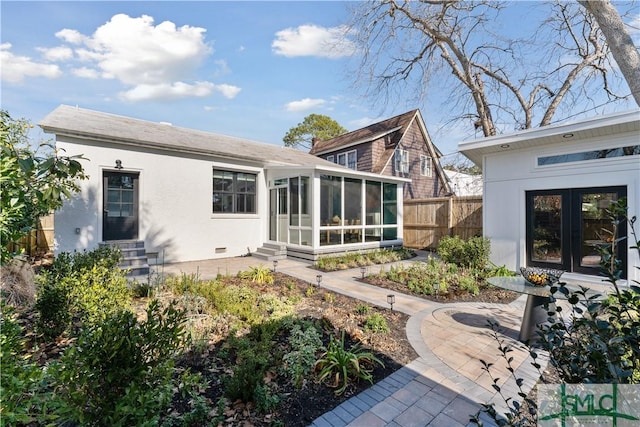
275	264
319	279
505	146
391	298
118	164
363	270
567	135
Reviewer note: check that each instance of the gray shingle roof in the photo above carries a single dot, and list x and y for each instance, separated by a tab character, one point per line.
99	126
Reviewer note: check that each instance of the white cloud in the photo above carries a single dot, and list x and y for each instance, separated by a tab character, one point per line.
87	73
313	40
60	53
166	91
135	51
15	68
304	104
154	62
71	36
228	91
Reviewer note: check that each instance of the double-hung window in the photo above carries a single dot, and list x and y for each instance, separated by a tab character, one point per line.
402	161
234	192
348	159
425	165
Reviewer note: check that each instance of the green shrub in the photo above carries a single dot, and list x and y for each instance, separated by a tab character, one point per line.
469	284
376	323
67	263
362	308
255	354
473	253
260	274
54	308
19	377
119	372
304	345
339	366
89	295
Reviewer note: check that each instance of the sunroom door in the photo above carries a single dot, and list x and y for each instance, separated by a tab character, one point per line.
278	214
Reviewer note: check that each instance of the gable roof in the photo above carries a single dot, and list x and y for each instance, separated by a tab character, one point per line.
369	133
98	126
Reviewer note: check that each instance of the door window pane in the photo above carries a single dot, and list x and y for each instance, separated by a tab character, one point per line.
596	229
547	228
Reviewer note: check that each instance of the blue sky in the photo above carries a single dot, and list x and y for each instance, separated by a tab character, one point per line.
245	69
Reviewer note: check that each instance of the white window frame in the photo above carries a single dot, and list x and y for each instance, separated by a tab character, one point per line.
348	159
402	161
426	165
331	159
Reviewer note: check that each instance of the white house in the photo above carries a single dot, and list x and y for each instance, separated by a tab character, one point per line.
546	189
193	195
463	184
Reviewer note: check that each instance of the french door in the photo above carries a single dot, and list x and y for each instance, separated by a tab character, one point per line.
565	228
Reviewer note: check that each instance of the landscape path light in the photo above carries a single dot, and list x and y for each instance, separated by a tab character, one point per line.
319	279
275	264
363	270
391	298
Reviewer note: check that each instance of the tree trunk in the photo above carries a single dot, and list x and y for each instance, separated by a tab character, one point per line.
619	41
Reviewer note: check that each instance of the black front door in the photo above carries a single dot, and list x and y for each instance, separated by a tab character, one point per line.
120	206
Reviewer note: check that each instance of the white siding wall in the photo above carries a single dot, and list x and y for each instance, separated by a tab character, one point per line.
510	173
175	205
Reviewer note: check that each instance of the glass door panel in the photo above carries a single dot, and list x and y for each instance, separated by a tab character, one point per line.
547	228
595	227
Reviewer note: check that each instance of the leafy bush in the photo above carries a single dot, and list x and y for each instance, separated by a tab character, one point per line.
304	345
376	323
89	295
255	355
19	377
119	372
260	274
339	366
473	253
67	263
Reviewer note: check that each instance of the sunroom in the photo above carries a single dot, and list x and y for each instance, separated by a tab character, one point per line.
327	210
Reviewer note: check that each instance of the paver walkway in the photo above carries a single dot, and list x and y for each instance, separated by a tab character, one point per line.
446	384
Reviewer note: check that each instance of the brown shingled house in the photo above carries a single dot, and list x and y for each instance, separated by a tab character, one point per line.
399	146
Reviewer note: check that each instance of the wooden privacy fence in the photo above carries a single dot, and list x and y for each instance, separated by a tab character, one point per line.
39	241
426	221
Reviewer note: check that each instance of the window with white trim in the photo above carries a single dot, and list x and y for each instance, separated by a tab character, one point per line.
330	159
348	159
234	192
426	168
402	161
